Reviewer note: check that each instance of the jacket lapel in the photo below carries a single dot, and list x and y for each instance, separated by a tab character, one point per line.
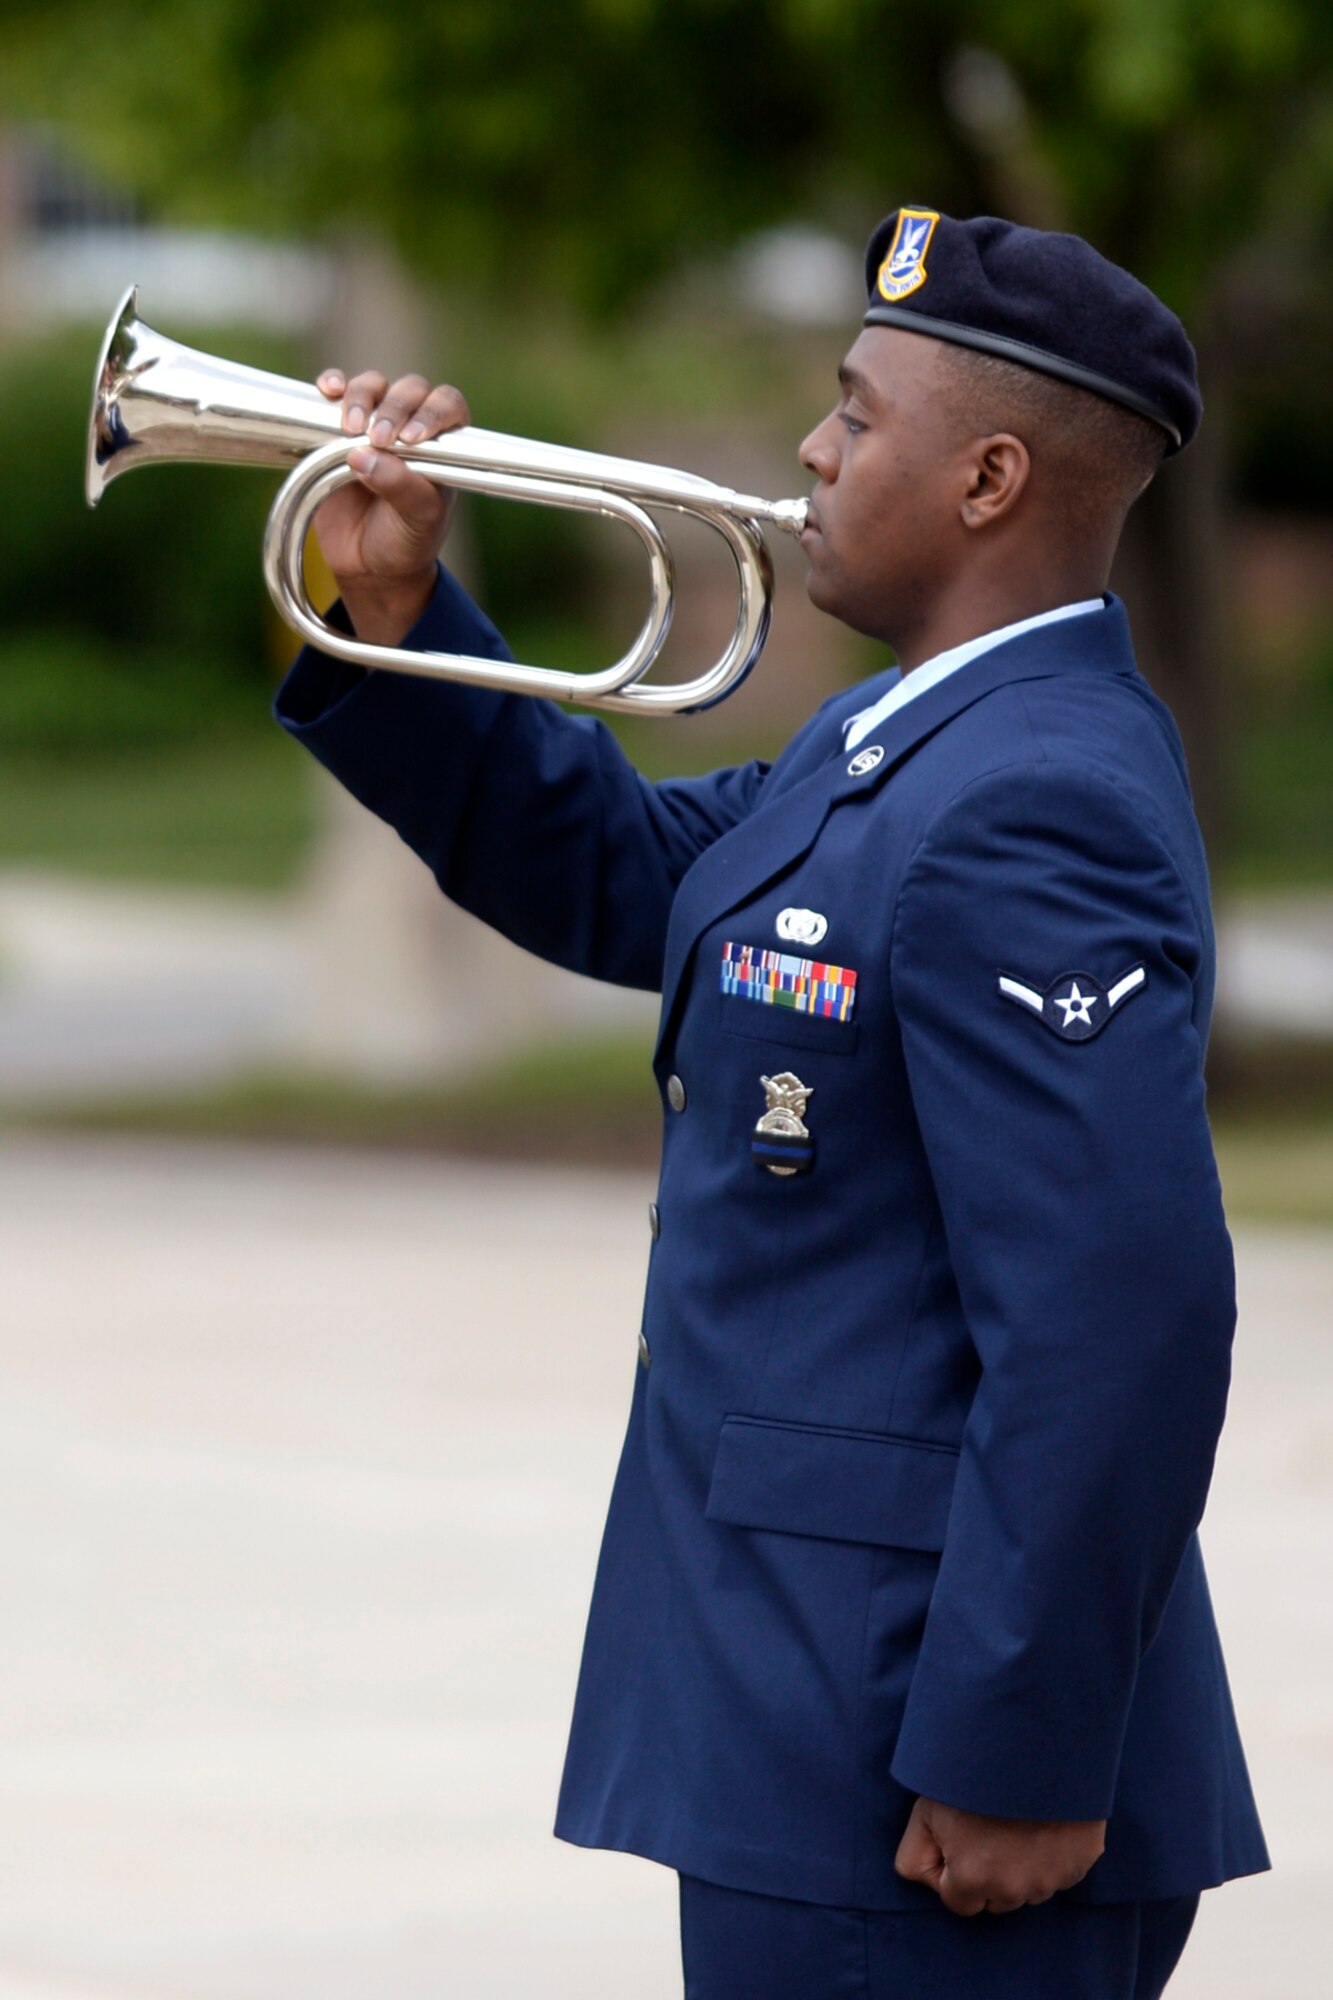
786	825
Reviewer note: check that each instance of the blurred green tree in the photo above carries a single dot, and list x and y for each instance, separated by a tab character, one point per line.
582	149
578	152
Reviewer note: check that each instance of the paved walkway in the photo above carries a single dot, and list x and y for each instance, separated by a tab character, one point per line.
303	1460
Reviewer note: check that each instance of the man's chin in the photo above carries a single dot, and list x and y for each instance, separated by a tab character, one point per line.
822	591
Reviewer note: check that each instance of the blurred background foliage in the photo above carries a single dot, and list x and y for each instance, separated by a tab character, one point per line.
133	733
568	185
558	168
579	151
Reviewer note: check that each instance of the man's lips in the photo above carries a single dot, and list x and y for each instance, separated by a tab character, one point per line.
813	525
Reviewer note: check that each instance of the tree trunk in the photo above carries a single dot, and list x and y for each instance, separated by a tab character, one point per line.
1173	574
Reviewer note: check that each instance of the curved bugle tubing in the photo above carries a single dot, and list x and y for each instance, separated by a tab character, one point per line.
155	401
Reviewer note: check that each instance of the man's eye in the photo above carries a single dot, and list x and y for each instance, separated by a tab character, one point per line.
849	422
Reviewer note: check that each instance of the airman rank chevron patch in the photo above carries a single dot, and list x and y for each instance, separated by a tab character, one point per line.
1075	1006
776	979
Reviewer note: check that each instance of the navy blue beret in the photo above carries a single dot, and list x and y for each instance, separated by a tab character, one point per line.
1043	300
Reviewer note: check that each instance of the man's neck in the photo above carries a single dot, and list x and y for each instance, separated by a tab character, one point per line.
956	623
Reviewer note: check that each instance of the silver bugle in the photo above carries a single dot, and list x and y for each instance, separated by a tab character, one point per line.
156	401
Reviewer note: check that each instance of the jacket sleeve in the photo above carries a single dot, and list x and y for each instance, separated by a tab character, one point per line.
532	819
1084	1221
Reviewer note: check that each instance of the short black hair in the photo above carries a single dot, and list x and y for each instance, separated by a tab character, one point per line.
1100	455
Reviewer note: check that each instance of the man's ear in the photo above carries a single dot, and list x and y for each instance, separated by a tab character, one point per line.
998	471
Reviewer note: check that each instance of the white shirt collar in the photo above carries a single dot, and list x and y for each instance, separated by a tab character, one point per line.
931	672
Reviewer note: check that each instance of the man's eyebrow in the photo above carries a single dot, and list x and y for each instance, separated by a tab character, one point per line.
854	383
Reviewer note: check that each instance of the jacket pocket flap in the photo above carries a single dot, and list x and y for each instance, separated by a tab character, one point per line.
843	1485
756	1023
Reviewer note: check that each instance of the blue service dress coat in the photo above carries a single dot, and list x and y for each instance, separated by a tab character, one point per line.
923	1430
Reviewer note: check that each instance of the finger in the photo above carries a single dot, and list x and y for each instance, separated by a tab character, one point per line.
445	409
331	382
418	499
398	403
919	1857
1000	1906
919	1860
962	1901
363	393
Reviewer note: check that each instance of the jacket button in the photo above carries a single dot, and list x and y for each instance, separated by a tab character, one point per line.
654	1221
645	1352
675	1093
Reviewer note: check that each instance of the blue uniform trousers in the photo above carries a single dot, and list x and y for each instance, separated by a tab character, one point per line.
738	1946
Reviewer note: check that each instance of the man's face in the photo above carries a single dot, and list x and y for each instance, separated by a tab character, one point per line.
883	533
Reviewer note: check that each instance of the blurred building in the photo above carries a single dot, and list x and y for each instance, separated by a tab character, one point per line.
68	241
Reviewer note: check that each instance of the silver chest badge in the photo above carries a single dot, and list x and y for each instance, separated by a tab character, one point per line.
802	926
866	761
782	1141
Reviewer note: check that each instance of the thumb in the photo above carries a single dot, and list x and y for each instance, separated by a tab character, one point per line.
920	1857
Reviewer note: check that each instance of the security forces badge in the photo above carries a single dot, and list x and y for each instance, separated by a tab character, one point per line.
1075	1006
782	1140
904	267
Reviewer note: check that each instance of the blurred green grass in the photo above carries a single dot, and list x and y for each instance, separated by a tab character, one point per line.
1275	1172
167	771
594	1102
237	813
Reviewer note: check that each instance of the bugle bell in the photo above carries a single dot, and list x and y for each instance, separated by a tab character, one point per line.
155	401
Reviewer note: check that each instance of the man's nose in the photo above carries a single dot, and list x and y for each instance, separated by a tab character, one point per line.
818	455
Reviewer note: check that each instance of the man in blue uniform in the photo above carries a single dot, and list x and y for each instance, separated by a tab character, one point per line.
900	1651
